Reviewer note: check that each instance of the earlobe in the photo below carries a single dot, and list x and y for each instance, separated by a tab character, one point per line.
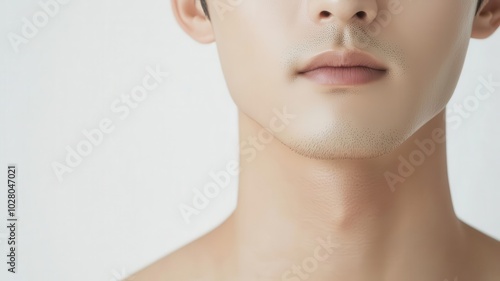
191	18
487	19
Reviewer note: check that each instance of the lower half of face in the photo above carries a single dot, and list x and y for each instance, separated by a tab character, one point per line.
264	47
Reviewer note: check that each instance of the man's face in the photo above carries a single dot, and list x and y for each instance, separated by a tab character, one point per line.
420	46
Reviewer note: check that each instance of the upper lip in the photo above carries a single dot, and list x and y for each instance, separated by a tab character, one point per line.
342	59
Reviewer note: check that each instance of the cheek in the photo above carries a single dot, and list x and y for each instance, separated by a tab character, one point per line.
249	55
436	42
434	31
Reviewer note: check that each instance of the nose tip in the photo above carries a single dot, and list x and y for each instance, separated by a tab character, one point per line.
343	11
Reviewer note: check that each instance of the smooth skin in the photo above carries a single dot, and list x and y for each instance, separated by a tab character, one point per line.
324	199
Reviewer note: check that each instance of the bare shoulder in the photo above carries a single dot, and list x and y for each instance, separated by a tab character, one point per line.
484	254
190	263
182	264
200	260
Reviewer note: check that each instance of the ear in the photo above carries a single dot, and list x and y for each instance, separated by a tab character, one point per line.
191	18
487	19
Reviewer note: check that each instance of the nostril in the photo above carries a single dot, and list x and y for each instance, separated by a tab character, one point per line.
325	14
361	15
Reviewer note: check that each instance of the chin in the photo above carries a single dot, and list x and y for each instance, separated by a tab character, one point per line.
343	143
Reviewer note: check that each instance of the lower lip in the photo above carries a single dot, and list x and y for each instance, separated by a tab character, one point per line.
344	76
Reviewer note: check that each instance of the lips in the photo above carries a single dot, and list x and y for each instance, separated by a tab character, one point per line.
343	68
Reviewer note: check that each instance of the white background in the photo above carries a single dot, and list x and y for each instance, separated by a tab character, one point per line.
118	210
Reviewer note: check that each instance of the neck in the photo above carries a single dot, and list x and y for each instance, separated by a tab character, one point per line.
384	218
